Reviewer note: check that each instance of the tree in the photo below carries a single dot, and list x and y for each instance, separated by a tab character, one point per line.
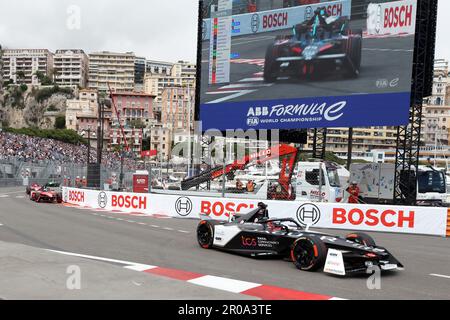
60	122
20	76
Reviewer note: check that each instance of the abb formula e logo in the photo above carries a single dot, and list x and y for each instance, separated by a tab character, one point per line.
223	208
76	196
374	218
127	202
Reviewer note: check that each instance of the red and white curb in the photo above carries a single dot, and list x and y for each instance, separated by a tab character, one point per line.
257	290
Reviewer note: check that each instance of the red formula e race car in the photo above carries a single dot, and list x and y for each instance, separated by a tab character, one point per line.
46	194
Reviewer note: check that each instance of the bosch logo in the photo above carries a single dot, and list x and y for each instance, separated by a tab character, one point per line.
183	206
308	13
64	195
255	23
102	200
308	214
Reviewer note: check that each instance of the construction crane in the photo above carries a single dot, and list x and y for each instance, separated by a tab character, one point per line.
287	154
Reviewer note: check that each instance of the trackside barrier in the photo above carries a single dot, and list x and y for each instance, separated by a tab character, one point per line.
279	19
395	219
392	18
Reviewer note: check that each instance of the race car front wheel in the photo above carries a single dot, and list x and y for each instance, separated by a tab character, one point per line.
309	254
205	234
361	238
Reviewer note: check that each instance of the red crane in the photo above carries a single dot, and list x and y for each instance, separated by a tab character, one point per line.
286	153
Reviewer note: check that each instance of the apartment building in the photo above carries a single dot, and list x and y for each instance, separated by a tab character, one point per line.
71	68
21	65
115	69
158	67
133	137
133	107
186	71
82	113
161	140
436	125
177	108
364	139
139	73
440	82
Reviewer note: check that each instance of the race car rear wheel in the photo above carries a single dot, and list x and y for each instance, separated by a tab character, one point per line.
205	234
270	65
309	254
361	238
353	64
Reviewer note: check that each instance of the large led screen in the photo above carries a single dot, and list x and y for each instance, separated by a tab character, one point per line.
292	64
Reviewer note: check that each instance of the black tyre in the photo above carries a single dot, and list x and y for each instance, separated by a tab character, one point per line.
353	63
205	234
361	238
309	254
270	66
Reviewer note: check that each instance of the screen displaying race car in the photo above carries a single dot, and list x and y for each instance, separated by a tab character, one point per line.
255	234
341	63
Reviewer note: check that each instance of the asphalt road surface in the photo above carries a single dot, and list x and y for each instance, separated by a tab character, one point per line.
171	243
382	59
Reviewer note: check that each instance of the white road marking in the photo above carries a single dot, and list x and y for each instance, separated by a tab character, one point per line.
439	275
232	96
20	197
225	284
131	265
130	221
183	231
256	79
155	226
384	50
168	229
142	223
1	225
4	196
246	85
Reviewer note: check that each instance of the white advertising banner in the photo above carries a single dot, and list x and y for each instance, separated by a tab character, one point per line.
392	18
395	219
265	21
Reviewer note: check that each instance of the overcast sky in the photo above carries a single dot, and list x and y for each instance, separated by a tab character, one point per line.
155	29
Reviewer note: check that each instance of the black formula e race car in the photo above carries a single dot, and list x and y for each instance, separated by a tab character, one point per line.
316	48
256	235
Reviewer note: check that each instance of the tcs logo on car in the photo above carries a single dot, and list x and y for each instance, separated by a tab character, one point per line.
219	208
374	218
76	196
135	202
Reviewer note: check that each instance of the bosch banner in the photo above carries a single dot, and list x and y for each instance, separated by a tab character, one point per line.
328	64
394	219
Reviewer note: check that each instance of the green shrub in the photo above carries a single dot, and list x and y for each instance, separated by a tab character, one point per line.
64	135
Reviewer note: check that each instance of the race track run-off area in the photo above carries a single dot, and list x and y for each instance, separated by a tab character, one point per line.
160	247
